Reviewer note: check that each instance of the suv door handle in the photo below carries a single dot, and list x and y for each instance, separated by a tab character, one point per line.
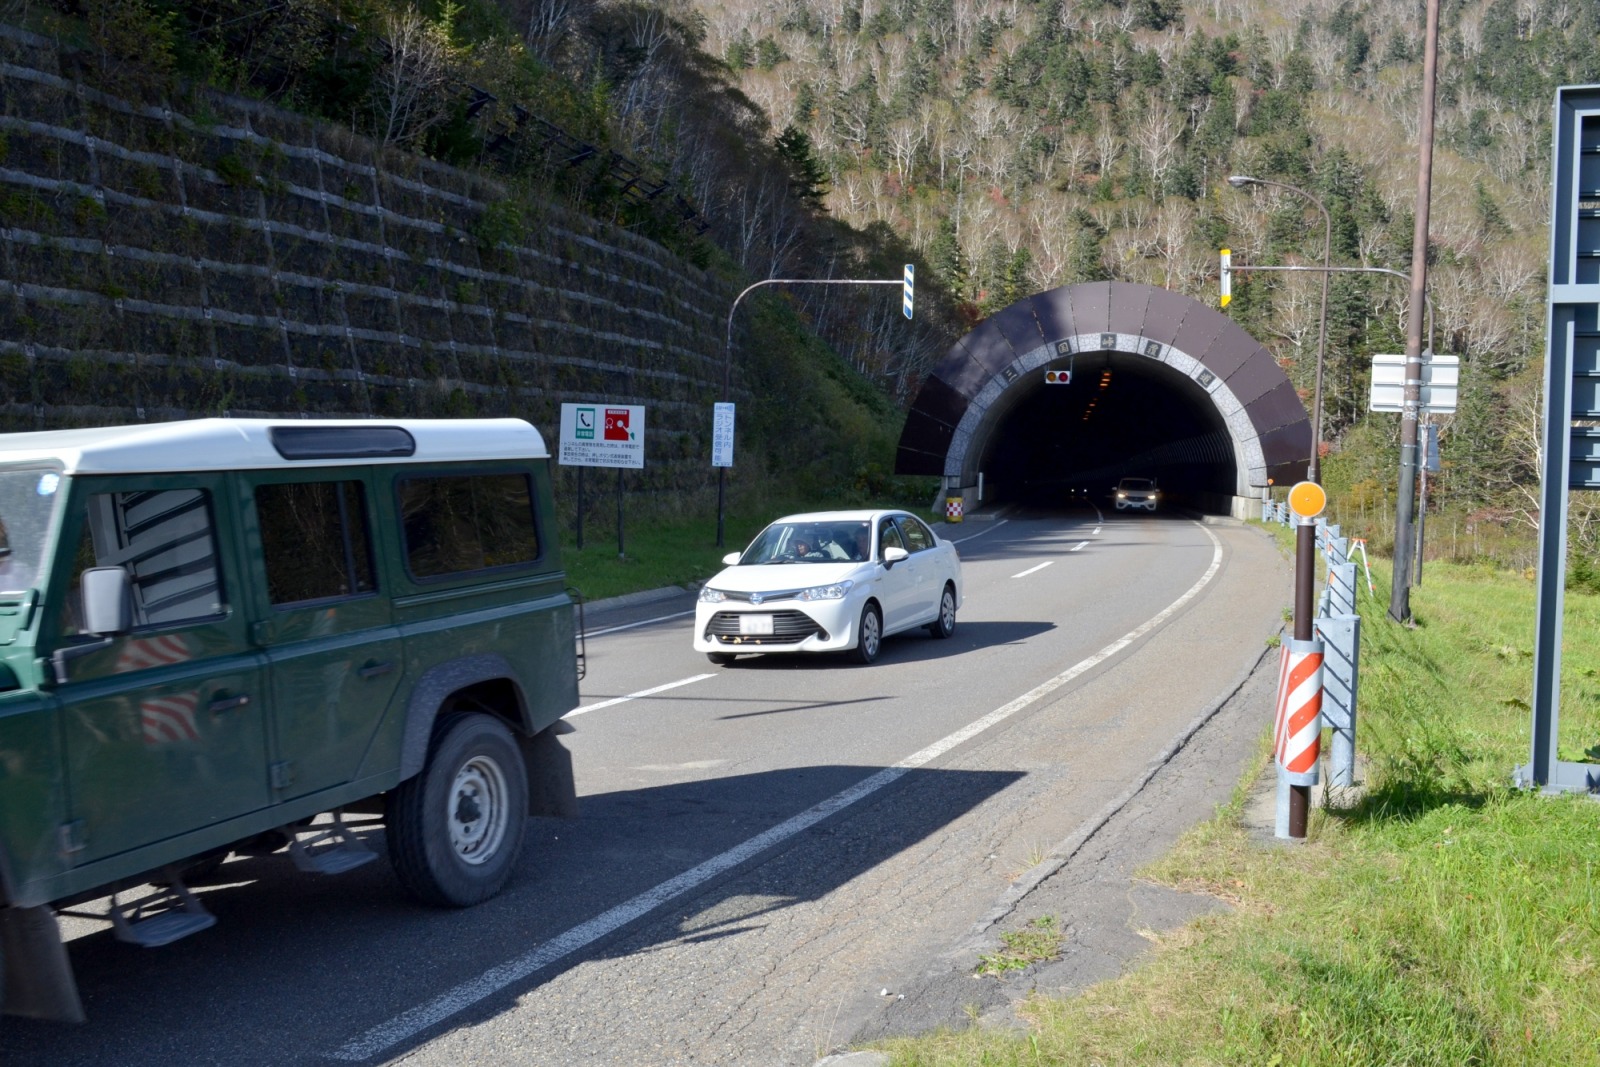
221	704
373	670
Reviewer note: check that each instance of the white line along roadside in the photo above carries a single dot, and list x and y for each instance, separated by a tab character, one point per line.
410	1023
635	696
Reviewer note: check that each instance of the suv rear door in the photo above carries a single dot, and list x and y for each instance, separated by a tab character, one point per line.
333	652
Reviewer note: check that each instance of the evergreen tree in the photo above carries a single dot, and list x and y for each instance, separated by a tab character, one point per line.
807	178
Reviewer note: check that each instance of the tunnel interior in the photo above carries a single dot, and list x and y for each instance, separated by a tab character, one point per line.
1120	415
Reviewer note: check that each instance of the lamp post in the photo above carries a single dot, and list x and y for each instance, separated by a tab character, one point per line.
1295	792
1239	181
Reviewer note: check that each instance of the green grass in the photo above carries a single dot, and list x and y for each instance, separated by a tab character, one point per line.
1040	940
1447	919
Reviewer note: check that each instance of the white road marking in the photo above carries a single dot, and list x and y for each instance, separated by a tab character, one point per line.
1097	531
635	625
980	533
635	696
1077	546
410	1023
1033	570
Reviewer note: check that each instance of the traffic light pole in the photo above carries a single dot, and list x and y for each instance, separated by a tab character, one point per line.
727	356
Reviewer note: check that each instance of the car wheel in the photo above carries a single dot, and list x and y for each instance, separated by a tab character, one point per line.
945	624
721	659
869	634
455	829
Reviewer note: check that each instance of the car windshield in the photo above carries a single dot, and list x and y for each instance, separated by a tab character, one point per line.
810	542
1135	483
27	504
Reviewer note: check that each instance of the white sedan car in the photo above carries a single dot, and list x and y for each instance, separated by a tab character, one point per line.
831	581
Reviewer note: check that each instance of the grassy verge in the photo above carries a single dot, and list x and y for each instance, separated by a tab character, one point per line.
1446	919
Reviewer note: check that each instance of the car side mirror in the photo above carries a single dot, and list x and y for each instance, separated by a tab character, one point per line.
893	555
730	559
107	601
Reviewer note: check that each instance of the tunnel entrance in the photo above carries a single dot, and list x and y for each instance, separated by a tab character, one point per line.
1161	386
1118	417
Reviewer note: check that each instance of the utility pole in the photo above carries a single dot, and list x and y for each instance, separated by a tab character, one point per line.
1405	499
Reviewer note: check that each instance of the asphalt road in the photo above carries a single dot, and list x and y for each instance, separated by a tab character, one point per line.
763	849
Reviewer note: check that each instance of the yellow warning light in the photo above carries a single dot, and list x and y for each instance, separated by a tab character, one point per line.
1307	499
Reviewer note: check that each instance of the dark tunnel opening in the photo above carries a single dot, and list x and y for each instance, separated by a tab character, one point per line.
1120	416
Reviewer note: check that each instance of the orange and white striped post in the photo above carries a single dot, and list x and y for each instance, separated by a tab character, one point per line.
1297	730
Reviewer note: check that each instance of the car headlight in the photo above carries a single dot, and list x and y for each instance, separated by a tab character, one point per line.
836	591
709	595
1122	496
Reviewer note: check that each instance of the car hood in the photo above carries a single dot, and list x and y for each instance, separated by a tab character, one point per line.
781	577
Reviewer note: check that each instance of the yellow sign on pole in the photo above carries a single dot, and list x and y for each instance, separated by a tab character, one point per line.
1307	499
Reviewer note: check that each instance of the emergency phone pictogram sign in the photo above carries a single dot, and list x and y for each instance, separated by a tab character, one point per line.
602	435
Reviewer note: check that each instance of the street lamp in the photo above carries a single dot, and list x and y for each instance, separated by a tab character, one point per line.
1239	181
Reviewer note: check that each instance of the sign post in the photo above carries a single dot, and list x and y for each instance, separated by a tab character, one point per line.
906	283
602	435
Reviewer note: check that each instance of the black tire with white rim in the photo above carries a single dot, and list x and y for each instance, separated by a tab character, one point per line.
945	624
869	634
455	829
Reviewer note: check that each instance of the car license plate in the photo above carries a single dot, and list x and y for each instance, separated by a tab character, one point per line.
755	625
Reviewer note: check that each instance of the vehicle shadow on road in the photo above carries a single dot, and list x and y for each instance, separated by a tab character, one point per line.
910	647
342	955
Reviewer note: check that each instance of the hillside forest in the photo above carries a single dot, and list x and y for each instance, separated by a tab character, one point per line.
1006	147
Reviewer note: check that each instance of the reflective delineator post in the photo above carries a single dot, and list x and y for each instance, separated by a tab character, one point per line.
1297	732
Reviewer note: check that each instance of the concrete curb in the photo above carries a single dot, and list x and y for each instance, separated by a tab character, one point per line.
644	596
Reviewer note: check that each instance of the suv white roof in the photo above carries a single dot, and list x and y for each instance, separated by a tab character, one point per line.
247	444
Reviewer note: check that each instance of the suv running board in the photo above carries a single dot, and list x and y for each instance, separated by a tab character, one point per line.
328	849
160	917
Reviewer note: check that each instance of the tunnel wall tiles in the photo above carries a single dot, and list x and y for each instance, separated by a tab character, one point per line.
1018	326
1127	310
1091	307
1053	312
1163	316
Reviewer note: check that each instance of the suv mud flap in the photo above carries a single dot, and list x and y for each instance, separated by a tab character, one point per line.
552	790
38	976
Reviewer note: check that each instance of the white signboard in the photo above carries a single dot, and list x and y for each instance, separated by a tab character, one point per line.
1441	378
602	435
722	435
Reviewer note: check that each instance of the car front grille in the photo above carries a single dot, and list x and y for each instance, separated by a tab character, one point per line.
788	627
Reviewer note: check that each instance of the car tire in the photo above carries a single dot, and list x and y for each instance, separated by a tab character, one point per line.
721	659
945	624
869	634
455	829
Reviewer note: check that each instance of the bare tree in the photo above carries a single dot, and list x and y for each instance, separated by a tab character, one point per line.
411	83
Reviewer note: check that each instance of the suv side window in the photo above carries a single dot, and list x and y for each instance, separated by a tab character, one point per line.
460	523
918	537
314	540
166	539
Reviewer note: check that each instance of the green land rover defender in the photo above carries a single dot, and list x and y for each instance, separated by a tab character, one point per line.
229	634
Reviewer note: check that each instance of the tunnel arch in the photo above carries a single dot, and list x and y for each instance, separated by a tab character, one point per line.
1211	399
